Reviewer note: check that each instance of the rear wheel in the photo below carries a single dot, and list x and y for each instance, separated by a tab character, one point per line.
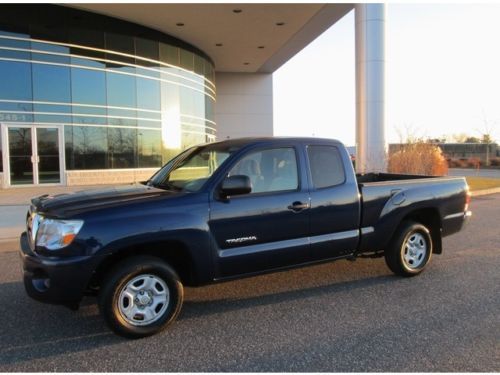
410	249
140	297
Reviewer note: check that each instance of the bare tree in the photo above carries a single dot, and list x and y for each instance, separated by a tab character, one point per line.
486	132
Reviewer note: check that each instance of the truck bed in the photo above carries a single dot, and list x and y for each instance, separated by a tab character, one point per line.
385	192
382	177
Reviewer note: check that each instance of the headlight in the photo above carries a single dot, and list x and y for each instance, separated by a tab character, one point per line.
56	234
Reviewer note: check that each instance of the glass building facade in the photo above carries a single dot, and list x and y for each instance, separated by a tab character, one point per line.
110	94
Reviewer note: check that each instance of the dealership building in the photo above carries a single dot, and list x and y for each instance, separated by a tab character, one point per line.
107	93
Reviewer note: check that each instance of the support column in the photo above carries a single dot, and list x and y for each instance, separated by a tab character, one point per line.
244	105
371	147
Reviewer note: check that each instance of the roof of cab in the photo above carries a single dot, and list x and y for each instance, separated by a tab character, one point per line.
240	142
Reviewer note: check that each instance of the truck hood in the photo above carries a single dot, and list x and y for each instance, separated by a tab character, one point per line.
63	205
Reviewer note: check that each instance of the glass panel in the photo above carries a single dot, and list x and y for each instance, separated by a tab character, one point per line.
122	147
187	60
49	113
16	107
51	83
88	148
13	43
148	94
169	54
327	168
269	170
48	153
120	43
20	151
121	90
148	49
15	81
199	65
149	148
88	86
87	37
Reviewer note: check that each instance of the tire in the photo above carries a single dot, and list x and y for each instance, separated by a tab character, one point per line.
141	296
410	250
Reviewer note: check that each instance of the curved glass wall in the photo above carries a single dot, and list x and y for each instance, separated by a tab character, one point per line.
127	96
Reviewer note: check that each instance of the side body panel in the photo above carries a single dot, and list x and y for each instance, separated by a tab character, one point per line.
335	212
386	204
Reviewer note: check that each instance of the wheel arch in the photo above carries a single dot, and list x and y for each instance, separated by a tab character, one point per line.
173	252
430	218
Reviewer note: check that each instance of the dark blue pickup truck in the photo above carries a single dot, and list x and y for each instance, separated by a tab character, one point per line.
226	210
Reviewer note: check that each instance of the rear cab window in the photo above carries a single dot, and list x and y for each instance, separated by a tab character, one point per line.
326	166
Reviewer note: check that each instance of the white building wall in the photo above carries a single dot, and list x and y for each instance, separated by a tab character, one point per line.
244	106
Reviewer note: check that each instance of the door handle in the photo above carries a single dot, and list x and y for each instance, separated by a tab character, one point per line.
298	206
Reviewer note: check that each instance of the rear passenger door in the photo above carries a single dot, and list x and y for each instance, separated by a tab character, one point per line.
267	228
335	204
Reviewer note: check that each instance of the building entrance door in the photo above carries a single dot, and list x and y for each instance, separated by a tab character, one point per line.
33	155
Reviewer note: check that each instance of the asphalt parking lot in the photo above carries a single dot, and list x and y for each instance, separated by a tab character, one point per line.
342	316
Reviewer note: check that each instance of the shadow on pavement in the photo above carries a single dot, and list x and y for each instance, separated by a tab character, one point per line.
195	309
32	330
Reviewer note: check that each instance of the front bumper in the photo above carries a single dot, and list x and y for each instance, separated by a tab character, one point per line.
55	280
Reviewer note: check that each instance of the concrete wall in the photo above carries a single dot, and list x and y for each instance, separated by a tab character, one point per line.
110	176
244	105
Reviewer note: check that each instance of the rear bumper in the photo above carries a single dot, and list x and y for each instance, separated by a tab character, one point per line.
55	280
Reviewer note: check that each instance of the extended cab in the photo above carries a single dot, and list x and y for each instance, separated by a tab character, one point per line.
227	210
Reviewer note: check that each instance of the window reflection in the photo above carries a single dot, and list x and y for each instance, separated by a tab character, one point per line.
88	86
16	81
122	146
121	90
89	147
51	83
149	148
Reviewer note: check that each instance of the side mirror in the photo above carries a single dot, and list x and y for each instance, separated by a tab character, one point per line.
236	185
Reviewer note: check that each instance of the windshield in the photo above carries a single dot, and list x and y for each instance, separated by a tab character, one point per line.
191	169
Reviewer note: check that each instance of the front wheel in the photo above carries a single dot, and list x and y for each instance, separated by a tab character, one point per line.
410	249
140	297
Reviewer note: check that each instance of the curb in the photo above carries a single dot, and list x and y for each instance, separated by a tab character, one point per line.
478	193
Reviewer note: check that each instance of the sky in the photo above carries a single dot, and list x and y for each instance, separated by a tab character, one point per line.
443	76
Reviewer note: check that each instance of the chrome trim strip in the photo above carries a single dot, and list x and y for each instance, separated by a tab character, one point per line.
99	106
367	230
79	115
19	123
334	236
269	246
277	245
41	52
106	71
454	216
108	51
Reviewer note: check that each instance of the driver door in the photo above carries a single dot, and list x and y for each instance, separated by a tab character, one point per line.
267	228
